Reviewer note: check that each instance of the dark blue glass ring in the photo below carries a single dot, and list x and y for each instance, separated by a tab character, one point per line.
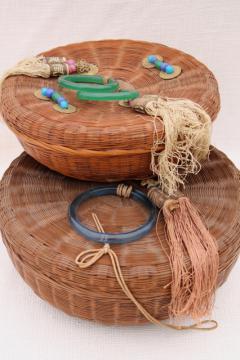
111	238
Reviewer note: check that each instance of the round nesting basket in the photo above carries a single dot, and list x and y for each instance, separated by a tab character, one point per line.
102	141
43	246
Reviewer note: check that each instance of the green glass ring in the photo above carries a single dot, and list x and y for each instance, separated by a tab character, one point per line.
90	83
108	96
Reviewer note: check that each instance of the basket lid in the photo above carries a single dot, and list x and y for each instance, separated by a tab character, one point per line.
106	125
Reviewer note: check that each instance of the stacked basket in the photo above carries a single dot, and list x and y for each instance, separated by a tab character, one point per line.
105	142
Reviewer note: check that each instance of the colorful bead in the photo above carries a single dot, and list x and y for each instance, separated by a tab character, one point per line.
169	69
55	96
152	59
71	62
163	66
63	104
158	64
49	92
72	68
44	91
61	98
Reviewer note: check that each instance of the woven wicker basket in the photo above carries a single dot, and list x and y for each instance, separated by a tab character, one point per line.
43	246
102	141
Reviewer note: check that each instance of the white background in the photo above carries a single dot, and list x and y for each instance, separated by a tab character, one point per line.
209	30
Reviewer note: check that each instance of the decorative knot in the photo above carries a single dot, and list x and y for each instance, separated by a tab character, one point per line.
124	190
106	248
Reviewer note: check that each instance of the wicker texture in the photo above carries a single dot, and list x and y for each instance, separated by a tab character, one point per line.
43	246
102	141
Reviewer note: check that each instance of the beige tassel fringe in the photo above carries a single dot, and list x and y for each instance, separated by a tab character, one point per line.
34	67
187	132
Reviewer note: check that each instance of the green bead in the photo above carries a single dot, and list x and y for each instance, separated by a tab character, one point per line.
55	96
158	64
108	96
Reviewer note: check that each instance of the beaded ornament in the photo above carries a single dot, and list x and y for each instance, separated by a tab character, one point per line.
167	71
61	104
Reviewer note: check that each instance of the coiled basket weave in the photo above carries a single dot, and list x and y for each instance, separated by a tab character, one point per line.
43	246
102	141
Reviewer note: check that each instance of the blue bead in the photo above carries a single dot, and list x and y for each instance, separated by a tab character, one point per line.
169	69
163	66
49	92
152	59
44	91
63	104
59	100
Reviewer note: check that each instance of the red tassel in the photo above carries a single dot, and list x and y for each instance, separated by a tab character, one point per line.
193	283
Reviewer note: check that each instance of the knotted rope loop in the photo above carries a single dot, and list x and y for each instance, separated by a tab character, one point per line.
89	257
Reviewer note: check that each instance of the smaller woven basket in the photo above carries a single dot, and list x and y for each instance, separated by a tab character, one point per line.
103	141
43	246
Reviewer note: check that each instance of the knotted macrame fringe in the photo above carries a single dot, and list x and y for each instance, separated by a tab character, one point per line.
89	257
33	66
193	284
186	140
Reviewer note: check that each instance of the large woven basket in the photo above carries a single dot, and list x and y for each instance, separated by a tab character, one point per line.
43	246
102	141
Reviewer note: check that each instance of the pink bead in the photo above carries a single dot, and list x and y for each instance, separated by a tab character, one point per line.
71	62
72	68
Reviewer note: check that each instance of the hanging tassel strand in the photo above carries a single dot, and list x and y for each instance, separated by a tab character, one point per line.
193	285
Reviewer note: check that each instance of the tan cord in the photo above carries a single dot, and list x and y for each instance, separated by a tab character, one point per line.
124	190
89	257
